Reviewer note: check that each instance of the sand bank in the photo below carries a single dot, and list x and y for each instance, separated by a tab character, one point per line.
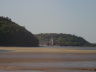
46	50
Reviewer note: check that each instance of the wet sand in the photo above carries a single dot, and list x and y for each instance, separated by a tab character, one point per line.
42	69
37	60
47	55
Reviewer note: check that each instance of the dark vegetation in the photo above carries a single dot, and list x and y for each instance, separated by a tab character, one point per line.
12	34
61	40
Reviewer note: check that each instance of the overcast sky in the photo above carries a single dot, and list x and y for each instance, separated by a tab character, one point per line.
53	16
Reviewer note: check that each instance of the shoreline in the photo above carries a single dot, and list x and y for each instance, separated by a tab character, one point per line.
45	50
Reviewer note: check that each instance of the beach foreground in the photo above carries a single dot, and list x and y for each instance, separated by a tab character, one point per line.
23	59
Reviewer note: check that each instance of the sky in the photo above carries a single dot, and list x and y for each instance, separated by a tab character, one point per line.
53	16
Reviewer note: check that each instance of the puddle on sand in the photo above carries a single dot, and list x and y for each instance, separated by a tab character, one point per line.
5	51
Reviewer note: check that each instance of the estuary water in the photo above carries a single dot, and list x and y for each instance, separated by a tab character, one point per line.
70	47
49	62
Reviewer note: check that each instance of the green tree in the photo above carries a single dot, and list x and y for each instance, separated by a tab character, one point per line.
12	34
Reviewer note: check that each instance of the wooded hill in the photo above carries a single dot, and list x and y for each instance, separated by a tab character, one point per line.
61	39
12	34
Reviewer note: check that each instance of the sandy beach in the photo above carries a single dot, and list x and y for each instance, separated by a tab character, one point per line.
10	61
45	50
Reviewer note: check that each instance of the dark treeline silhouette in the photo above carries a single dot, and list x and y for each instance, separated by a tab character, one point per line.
12	34
61	39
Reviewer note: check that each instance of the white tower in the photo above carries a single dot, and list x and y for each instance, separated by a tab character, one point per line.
52	41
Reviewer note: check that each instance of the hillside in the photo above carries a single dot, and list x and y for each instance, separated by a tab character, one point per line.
49	39
12	34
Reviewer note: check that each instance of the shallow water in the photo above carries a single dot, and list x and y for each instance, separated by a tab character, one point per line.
5	51
70	47
66	47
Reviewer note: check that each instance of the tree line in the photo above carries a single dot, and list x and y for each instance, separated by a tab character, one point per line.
60	39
